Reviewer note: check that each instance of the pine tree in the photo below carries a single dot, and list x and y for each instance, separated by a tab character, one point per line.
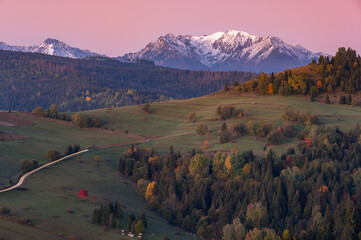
272	77
349	100
128	228
225	88
144	219
224	127
118	213
327	101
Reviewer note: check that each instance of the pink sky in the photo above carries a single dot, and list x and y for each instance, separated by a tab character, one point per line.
116	27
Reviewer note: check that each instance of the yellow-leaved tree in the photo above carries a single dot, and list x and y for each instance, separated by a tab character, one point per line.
228	164
199	164
149	193
205	144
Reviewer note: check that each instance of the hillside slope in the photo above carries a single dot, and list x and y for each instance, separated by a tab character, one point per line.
41	192
29	80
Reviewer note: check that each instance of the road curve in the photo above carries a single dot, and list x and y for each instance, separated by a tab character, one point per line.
22	179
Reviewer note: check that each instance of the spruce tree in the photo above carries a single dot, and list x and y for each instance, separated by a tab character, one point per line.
327	101
144	219
349	100
128	228
225	88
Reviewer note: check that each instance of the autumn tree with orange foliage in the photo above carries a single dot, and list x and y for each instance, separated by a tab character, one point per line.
270	89
323	189
153	159
319	84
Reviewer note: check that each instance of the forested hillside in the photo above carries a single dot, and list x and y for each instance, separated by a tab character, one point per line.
340	73
311	192
28	80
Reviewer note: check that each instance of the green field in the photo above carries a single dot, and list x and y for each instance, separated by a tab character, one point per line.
170	118
49	193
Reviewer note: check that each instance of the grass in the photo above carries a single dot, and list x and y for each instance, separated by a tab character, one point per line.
51	191
170	118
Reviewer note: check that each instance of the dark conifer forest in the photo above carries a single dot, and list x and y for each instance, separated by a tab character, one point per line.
28	80
311	192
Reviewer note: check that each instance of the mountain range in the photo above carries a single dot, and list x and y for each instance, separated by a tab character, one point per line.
222	51
52	47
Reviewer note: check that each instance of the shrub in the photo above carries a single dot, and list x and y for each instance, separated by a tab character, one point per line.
139	227
238	129
52	155
355	102
225	136
4	211
52	112
238	88
227	112
301	117
27	166
39	111
192	117
289	130
202	129
291	115
146	108
274	137
314	91
259	129
83	121
342	100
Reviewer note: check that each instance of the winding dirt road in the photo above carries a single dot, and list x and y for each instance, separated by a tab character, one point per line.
22	179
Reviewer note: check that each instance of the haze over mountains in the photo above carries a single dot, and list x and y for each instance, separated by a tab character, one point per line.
222	51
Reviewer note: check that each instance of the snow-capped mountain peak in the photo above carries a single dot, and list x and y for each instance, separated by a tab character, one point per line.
52	47
230	50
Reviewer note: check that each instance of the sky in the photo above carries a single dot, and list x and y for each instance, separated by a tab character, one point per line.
116	27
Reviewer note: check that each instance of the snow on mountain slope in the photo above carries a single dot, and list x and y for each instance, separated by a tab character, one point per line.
230	50
51	47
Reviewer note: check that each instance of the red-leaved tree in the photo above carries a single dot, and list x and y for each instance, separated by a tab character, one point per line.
83	194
